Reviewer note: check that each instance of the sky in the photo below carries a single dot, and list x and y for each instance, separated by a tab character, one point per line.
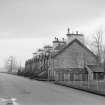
26	25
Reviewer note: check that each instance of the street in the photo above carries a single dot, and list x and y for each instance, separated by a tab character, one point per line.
31	92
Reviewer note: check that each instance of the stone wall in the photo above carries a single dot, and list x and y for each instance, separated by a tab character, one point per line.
74	57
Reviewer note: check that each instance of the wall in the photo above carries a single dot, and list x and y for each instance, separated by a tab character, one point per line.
74	57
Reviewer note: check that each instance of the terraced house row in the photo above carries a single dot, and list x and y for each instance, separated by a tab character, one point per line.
68	59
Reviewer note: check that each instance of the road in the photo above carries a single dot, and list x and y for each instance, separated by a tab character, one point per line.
31	92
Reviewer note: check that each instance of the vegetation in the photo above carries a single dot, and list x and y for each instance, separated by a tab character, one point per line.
36	67
11	64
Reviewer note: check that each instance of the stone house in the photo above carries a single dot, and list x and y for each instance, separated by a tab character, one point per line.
74	61
68	59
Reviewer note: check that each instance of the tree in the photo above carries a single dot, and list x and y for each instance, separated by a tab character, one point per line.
98	45
11	64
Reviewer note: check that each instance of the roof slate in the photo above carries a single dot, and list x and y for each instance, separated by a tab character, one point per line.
77	41
96	68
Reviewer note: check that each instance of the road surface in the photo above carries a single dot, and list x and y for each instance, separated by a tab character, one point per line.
31	92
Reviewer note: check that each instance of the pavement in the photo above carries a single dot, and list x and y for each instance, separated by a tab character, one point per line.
31	92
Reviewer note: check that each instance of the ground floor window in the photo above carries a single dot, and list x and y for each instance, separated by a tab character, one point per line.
98	76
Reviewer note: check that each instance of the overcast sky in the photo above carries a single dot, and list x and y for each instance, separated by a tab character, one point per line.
26	25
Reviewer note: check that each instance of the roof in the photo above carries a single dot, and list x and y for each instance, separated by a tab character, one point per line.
59	47
56	41
47	46
43	74
59	41
96	68
77	41
39	50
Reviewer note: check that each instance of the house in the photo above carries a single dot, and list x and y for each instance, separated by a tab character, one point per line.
68	59
74	61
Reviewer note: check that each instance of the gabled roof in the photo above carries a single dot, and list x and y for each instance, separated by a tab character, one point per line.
47	46
96	68
43	74
77	41
59	47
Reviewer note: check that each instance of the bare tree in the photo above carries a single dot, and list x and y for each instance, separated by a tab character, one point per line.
98	45
11	64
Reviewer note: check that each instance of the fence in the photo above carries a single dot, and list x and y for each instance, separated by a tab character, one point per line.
91	85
